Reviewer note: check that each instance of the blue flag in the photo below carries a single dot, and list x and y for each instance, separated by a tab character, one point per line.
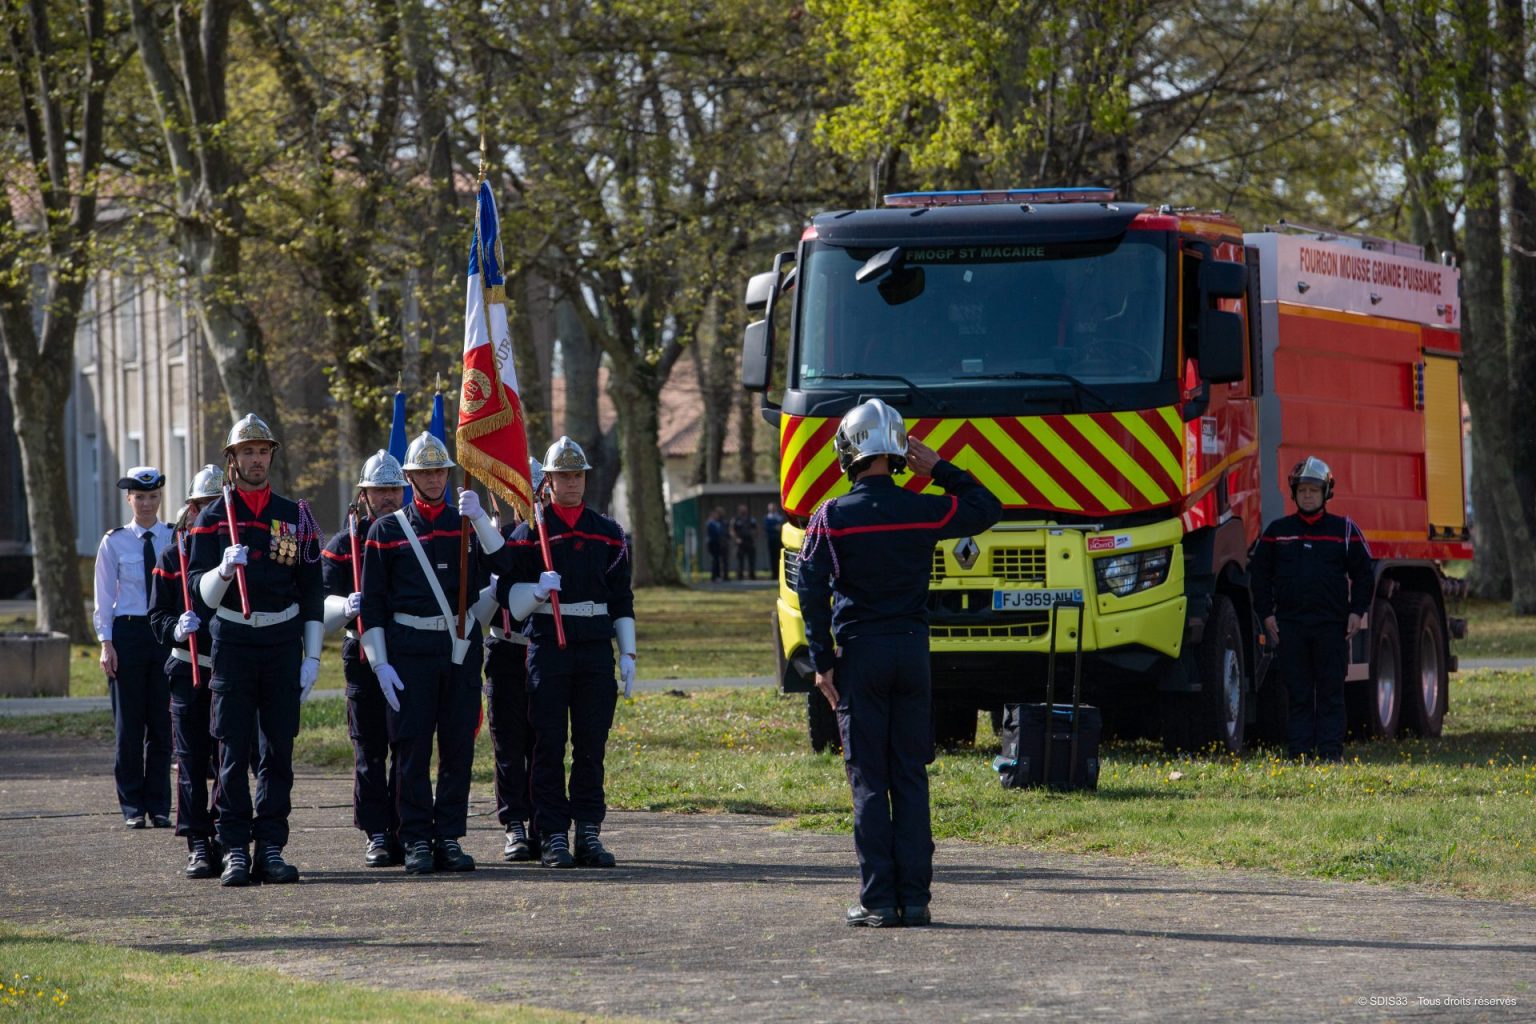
397	444
436	426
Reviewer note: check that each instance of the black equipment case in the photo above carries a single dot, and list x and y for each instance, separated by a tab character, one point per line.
1053	745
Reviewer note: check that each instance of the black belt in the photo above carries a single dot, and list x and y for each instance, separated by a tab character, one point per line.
130	618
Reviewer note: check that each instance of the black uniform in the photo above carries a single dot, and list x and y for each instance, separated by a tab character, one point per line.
577	684
373	774
191	707
506	699
440	697
864	572
255	680
1312	573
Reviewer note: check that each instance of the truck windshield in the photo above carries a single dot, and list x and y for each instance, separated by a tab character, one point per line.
967	316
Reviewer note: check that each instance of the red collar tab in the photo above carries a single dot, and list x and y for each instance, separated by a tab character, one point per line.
256	501
1310	520
429	512
568	516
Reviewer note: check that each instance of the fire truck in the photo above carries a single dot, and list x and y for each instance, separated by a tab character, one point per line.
1135	383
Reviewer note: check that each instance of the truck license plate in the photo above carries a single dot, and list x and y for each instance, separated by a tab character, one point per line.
1031	600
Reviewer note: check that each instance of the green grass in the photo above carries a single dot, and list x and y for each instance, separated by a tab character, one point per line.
45	978
1494	632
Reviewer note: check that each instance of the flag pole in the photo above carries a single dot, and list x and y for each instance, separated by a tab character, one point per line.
469	481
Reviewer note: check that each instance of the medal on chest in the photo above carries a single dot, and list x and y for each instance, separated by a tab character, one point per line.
284	546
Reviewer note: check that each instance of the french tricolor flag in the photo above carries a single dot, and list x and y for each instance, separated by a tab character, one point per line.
492	437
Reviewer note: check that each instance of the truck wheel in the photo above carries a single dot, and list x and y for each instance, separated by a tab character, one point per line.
1223	681
823	723
1376	707
954	723
1426	684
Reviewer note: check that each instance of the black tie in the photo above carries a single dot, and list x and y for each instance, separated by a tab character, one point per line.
149	563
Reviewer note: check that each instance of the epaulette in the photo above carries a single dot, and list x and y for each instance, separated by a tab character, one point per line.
116	529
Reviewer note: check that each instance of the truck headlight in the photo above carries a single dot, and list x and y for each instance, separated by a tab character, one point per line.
1123	575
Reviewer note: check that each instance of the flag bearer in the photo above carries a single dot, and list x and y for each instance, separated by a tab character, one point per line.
264	664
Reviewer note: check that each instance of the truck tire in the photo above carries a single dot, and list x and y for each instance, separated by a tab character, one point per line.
1426	683
954	723
1223	679
822	721
1216	715
1375	708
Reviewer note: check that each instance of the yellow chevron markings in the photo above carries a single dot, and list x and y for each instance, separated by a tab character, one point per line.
1108	497
1046	484
1122	460
1143	432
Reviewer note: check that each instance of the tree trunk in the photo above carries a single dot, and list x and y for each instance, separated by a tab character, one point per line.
580	358
1489	578
636	389
746	432
1513	93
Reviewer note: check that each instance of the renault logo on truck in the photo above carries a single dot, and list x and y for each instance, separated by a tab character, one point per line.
966	552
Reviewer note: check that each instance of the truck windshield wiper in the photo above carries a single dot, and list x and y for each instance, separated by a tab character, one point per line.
913	388
1065	378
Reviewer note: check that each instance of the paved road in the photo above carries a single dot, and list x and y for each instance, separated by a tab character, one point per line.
727	917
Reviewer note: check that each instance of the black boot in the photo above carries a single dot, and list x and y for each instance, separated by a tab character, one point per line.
590	852
199	859
270	866
557	852
448	855
517	849
418	858
237	867
860	916
379	854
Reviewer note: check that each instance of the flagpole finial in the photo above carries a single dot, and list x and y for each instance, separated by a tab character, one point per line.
484	163
400	381
439	382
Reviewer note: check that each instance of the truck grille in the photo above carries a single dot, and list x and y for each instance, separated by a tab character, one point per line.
1024	565
938	564
790	561
1030	626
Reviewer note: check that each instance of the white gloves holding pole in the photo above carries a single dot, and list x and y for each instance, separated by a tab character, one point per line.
491	539
186	625
213	584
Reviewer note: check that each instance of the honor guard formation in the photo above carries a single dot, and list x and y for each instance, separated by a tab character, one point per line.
211	633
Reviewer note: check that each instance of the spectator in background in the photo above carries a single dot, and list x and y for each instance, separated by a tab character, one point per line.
744	533
714	541
773	523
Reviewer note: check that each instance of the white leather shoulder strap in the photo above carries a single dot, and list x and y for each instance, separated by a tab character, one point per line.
426	566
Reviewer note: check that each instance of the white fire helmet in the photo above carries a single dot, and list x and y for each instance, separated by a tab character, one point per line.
208	483
250	428
427	452
869	430
565	456
381	470
1312	470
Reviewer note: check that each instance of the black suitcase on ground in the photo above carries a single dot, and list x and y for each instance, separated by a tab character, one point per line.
1052	745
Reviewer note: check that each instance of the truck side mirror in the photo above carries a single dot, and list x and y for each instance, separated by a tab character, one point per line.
756	353
760	290
1222	340
1223	279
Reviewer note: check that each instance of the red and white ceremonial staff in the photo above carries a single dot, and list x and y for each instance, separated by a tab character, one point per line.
492	439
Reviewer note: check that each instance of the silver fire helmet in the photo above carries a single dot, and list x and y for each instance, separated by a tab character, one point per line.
869	430
565	456
250	428
427	452
1312	470
208	483
535	475
381	470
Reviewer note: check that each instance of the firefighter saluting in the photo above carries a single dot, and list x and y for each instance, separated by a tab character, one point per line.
574	684
266	662
380	492
863	589
174	624
1312	579
429	678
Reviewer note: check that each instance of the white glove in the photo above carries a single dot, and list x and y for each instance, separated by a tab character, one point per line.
549	582
390	685
627	673
186	625
309	671
469	505
233	555
354	604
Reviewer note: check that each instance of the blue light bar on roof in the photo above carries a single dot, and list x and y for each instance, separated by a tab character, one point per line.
985	196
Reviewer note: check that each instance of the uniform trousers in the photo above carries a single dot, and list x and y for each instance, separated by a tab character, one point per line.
1313	661
255	700
506	699
883	713
574	687
141	716
440	700
373	771
192	725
